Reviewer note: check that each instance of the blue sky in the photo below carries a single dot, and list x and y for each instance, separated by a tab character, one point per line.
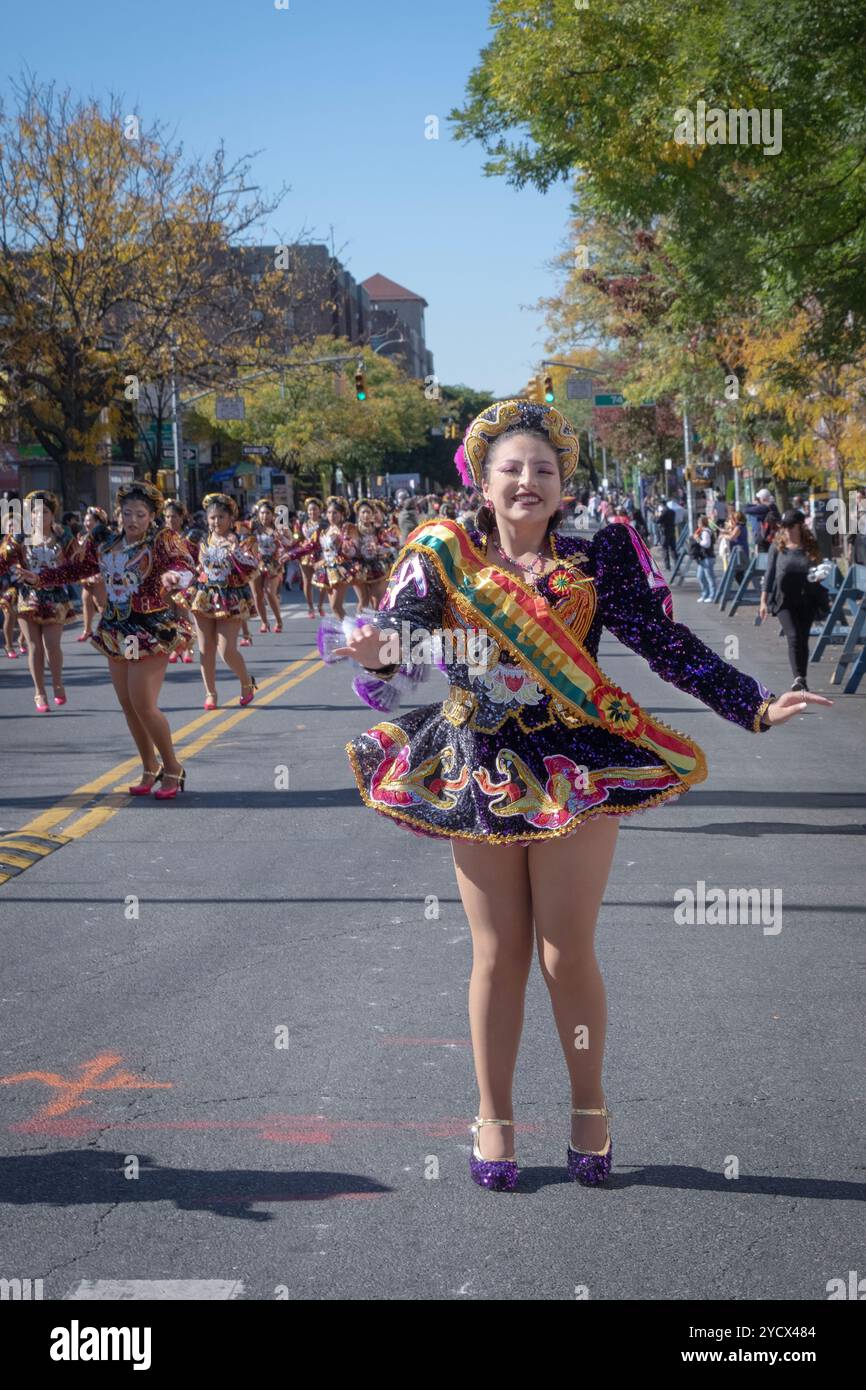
335	94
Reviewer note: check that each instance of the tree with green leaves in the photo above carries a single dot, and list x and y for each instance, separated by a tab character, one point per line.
600	94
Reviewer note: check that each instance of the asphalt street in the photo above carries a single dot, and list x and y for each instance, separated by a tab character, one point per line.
235	1048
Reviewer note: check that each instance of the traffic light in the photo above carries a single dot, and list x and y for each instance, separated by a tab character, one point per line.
165	481
548	389
737	456
360	386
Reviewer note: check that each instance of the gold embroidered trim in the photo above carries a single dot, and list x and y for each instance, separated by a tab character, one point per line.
762	710
603	810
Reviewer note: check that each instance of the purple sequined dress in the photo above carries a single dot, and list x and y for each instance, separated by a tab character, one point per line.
501	760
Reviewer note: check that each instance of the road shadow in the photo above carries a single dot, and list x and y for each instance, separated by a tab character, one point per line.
90	1177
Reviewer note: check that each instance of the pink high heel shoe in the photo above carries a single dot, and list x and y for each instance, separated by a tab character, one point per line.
41	704
169	793
210	701
60	699
248	699
144	788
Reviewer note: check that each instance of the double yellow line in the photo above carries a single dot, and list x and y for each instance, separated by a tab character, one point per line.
87	817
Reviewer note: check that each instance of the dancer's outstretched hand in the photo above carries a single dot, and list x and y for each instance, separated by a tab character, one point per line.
364	645
791	703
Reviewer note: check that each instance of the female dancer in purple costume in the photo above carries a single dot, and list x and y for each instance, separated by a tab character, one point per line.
494	769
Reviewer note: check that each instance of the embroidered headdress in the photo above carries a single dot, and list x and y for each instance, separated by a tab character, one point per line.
220	499
139	488
508	415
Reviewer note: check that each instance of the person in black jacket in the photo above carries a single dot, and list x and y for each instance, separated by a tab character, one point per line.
789	594
667	524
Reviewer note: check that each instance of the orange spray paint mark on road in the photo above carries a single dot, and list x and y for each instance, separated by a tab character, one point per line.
73	1089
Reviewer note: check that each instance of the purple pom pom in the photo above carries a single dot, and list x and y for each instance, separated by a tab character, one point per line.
379	695
329	636
410	676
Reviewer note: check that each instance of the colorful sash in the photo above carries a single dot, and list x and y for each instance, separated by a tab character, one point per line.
524	622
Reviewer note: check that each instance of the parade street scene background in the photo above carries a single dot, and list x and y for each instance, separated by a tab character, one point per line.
433	587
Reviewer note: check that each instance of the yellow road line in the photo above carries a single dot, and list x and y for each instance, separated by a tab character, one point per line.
16	841
97	815
16	854
20	861
92	819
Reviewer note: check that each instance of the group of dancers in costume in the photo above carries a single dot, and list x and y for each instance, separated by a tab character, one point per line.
156	581
535	753
341	554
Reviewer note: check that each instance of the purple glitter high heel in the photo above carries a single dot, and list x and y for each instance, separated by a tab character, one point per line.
499	1175
593	1166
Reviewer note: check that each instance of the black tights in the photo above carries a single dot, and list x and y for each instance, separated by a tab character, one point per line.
795	623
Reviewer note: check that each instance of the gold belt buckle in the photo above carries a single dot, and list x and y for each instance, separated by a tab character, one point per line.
459	705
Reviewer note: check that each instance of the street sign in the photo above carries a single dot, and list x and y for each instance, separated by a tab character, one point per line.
230	407
669	463
166	431
609	399
190	453
579	388
256	450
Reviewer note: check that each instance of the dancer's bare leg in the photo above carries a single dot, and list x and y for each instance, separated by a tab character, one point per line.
568	878
51	636
206	628
494	887
35	653
118	669
145	679
228	632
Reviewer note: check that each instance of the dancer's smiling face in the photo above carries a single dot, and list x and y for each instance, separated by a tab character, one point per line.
314	512
522	481
365	516
335	515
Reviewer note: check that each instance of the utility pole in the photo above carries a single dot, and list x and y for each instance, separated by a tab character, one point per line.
690	501
177	433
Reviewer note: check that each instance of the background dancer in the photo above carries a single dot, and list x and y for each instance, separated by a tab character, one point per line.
42	612
223	596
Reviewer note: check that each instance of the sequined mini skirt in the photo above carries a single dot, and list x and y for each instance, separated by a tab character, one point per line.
431	772
220	601
137	635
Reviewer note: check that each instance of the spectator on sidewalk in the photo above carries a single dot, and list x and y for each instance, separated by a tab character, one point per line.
734	536
857	529
789	594
766	519
702	548
667	523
